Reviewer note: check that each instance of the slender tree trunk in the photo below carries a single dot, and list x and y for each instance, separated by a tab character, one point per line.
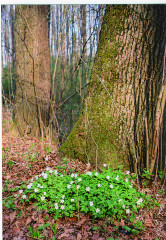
12	35
57	25
67	33
126	82
33	70
83	30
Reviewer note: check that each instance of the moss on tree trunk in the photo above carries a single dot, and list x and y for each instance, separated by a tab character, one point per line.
125	83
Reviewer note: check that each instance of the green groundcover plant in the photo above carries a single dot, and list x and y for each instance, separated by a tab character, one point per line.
109	193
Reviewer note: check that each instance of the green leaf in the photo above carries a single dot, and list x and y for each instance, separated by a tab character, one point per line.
95	228
127	228
157	204
134	231
135	208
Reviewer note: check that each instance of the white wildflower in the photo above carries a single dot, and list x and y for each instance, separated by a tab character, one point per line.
47	168
75	175
56	206
41	187
72	175
99	185
111	186
89	173
96	174
38	185
61	175
139	201
126	180
120	200
127	211
123	206
108	177
71	182
63	196
62	207
36	190
62	201
78	186
42	174
72	200
36	177
50	171
91	204
117	178
24	196
87	189
68	186
56	172
79	179
130	186
128	172
44	193
97	210
29	186
43	198
104	165
31	179
45	176
20	191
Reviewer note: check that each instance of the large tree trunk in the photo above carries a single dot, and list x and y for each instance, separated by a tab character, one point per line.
33	70
118	121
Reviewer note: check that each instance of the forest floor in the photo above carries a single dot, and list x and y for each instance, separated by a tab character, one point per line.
22	159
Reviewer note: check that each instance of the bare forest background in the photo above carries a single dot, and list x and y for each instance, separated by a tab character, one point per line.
73	38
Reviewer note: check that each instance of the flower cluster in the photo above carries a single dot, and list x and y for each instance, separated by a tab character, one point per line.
89	173
73	175
92	192
139	201
23	196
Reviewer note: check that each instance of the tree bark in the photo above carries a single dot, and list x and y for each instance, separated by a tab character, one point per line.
33	70
126	82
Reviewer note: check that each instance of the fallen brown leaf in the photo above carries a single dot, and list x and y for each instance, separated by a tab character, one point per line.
16	229
28	220
12	216
79	236
149	223
95	237
81	222
66	235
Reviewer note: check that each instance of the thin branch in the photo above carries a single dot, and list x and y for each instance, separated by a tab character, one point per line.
72	95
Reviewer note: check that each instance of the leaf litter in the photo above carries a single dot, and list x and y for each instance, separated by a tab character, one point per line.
25	157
